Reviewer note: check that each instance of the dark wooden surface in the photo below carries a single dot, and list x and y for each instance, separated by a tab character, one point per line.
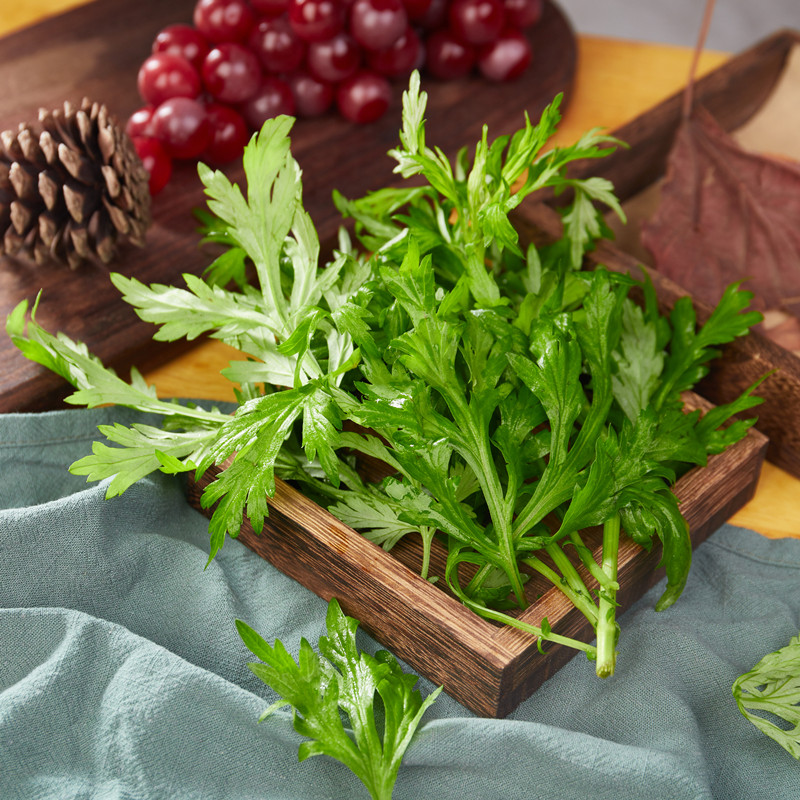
733	93
96	50
490	669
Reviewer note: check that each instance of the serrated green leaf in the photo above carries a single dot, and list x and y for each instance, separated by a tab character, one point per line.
342	678
771	691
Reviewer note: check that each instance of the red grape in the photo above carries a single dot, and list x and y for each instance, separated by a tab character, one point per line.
165	75
276	44
269	8
523	13
364	97
140	123
399	59
377	24
506	58
182	40
180	124
155	160
417	9
224	20
311	97
334	59
272	99
476	21
231	73
447	58
229	133
315	20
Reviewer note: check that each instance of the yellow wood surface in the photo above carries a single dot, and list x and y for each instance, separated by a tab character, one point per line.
616	80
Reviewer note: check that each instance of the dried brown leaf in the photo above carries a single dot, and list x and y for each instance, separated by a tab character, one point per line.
725	215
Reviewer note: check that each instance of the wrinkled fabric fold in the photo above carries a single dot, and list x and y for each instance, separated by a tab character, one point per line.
122	675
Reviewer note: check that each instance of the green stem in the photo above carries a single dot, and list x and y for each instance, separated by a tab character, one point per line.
556	638
480	461
594	568
577	595
607	628
427	535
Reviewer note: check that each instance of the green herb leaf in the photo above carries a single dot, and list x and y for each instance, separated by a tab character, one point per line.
320	688
769	696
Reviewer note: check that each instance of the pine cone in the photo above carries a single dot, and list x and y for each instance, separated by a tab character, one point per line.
71	187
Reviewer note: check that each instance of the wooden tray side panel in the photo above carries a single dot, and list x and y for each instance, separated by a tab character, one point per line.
489	669
422	625
708	496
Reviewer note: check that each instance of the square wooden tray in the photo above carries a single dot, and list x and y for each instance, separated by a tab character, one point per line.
488	668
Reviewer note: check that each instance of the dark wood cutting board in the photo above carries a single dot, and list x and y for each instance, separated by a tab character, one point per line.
95	51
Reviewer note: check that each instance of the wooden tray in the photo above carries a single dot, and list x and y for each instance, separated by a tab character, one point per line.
96	50
733	93
490	669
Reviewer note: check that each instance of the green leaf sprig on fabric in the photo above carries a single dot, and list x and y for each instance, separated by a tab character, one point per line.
769	696
513	397
382	709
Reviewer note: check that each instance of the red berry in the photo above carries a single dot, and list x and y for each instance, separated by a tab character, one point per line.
224	20
311	97
476	21
272	99
165	75
364	97
181	125
184	41
334	59
434	18
399	59
140	123
269	8
506	58
231	73
315	20
417	9
277	46
523	13
378	24
155	160
447	58
229	134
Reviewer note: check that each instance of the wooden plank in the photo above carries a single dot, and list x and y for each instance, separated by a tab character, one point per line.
95	50
488	668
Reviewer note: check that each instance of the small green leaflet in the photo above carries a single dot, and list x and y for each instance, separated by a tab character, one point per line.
769	696
340	680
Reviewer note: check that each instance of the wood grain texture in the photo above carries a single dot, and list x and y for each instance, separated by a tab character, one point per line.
488	668
95	50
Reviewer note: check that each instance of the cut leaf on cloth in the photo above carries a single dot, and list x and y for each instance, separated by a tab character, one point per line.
769	696
727	215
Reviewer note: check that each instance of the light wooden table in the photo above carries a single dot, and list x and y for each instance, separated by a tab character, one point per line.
616	80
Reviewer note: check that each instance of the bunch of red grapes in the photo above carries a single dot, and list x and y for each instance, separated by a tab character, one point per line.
209	85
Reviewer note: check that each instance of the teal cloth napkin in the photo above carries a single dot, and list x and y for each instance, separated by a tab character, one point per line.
122	675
